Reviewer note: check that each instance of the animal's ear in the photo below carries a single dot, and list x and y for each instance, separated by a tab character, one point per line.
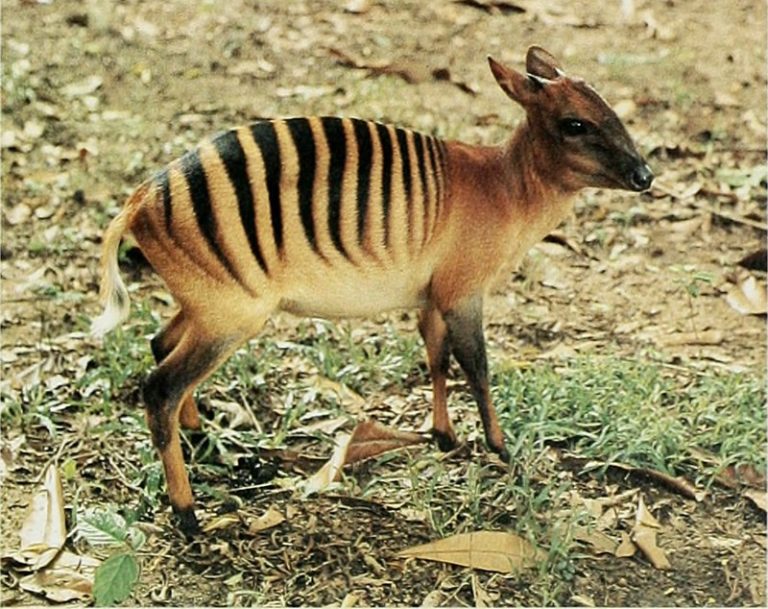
520	88
539	63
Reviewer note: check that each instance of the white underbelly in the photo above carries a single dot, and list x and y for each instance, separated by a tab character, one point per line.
354	293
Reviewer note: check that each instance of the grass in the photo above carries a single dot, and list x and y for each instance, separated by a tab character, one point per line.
606	408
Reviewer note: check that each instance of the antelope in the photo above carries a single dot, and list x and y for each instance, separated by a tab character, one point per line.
341	217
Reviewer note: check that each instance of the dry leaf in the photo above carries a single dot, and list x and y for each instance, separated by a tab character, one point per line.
748	297
68	578
369	439
351	401
44	531
644	536
221	522
600	542
625	548
758	498
271	518
487	550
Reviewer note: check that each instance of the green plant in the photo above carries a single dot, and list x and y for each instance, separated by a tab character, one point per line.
115	577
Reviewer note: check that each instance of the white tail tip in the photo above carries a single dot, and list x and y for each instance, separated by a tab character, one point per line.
115	312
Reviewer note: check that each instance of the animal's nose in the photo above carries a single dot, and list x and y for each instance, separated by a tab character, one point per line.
641	178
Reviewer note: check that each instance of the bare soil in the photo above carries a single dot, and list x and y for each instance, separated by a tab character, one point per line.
99	94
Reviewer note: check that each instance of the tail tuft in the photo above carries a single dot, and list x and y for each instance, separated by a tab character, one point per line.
113	294
116	310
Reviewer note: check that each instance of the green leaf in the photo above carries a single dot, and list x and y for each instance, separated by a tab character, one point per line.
115	579
101	527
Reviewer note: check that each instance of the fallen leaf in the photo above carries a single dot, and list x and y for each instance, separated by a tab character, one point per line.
221	522
43	532
625	548
758	498
350	600
271	518
351	401
600	542
644	534
582	600
748	297
9	450
68	578
486	550
368	440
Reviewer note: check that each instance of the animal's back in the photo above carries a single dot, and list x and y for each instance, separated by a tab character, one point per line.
304	212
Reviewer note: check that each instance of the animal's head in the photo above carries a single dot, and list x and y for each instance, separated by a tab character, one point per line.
583	135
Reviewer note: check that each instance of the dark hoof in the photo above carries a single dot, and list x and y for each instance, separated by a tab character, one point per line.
502	452
187	521
445	442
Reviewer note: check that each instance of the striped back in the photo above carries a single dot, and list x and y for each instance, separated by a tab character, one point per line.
255	198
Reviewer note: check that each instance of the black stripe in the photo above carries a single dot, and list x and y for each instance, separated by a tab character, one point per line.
364	157
304	141
402	144
436	172
197	184
265	136
337	146
385	139
232	155
418	141
162	179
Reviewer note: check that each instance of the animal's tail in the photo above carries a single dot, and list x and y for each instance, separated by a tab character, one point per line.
113	294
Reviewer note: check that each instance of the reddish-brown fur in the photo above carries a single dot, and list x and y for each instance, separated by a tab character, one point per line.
484	208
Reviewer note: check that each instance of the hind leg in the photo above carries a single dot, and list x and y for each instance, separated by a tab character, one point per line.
162	344
192	360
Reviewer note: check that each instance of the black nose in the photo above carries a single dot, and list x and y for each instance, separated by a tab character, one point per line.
641	178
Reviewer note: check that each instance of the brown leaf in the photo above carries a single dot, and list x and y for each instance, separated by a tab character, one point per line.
271	518
748	297
625	548
68	578
644	536
759	498
486	550
600	542
44	531
368	440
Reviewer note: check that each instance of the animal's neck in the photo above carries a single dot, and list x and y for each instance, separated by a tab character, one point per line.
535	189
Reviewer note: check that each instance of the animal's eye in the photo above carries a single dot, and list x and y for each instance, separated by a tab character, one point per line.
572	127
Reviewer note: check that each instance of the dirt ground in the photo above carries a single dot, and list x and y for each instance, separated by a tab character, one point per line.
97	94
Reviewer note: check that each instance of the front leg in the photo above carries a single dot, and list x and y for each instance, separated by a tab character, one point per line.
435	334
465	333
